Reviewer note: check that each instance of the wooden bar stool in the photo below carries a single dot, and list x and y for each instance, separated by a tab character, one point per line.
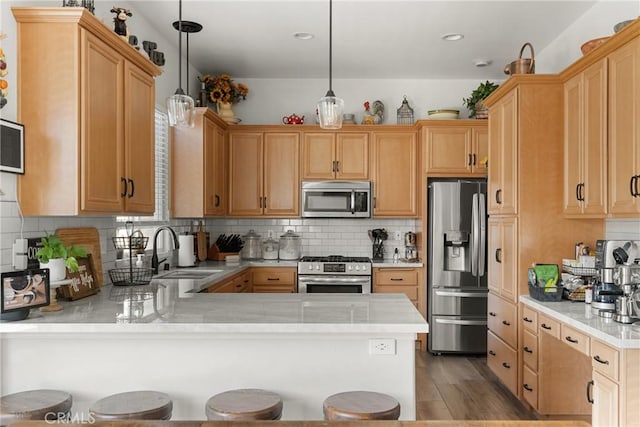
133	405
244	405
360	405
34	405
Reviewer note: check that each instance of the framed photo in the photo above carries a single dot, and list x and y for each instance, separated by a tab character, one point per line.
11	147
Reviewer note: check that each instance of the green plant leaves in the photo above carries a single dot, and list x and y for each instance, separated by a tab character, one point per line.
52	247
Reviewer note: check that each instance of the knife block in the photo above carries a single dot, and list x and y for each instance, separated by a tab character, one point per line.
215	254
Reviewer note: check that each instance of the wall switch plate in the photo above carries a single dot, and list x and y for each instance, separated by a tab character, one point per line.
385	346
20	258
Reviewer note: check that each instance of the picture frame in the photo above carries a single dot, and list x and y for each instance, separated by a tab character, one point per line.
11	147
83	282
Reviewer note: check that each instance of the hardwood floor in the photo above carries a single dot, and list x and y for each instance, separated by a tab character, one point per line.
453	387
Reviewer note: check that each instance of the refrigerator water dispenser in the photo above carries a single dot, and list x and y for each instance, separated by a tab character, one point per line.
456	250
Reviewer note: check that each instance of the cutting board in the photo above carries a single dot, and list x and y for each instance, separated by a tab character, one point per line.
87	238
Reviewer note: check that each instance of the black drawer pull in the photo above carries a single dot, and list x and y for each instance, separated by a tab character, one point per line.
272	278
492	314
571	340
491	352
528	350
504	322
526	319
526	387
506	365
597	359
393	279
589	392
544	326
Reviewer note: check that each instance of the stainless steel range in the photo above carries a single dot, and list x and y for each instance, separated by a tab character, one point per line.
334	274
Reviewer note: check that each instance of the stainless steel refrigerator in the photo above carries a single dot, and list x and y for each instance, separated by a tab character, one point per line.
457	265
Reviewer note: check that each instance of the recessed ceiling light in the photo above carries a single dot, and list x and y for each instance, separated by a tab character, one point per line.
303	36
482	62
452	37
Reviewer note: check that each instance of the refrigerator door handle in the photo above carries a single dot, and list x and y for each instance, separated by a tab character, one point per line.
475	235
461	322
482	207
461	294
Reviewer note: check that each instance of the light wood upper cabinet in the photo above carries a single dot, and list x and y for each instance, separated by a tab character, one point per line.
502	183
455	150
264	174
198	168
89	143
331	155
624	130
585	142
395	177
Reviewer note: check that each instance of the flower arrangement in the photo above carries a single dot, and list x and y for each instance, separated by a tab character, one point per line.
222	88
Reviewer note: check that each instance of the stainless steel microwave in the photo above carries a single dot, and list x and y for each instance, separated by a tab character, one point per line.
336	199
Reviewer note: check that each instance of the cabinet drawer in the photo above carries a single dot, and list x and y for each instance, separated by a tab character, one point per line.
274	277
277	288
605	359
530	350
530	319
395	276
410	291
549	326
502	360
575	339
530	386
501	319
242	283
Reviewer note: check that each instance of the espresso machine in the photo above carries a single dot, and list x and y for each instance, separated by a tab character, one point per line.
611	254
627	277
410	250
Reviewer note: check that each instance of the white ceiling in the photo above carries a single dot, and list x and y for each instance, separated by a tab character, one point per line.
372	39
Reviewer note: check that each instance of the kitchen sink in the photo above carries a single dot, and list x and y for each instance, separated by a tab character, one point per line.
188	274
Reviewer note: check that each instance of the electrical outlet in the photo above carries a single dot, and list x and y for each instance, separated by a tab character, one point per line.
397	235
385	346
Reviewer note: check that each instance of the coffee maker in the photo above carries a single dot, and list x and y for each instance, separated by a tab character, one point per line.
609	254
627	277
410	250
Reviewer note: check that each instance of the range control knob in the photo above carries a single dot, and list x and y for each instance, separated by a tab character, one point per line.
317	266
357	268
350	268
310	267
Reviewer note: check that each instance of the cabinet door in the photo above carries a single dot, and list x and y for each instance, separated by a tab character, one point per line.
395	174
281	174
139	155
480	150
448	150
605	401
245	174
572	160
503	156
318	156
502	257
494	243
103	183
214	169
624	137
352	156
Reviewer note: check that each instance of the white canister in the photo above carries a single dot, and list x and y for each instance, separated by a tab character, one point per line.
186	257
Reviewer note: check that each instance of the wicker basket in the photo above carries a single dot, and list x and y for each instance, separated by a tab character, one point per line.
545	294
130	276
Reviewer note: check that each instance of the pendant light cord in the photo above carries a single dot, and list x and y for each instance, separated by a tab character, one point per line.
330	45
180	91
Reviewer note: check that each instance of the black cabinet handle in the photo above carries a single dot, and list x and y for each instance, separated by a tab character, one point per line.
491	352
337	165
589	392
499	255
597	359
544	326
499	196
571	340
474	159
526	387
492	314
217	201
469	160
578	192
632	186
504	322
506	365
526	319
527	349
123	193
265	202
635	186
133	188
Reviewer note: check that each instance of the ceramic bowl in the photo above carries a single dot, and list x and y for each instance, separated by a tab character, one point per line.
443	114
592	44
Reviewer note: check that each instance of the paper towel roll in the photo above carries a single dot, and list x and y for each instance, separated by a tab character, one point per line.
186	257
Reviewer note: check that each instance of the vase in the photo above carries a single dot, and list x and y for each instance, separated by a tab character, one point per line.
57	269
226	112
482	112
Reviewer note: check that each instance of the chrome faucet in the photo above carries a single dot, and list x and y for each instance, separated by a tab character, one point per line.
155	263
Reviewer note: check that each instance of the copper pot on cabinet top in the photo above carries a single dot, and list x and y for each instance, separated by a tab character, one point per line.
522	65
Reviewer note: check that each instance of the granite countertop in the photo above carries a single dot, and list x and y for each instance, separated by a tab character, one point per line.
581	317
389	263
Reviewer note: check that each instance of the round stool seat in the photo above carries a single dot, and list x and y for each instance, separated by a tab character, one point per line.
34	405
361	405
133	405
244	405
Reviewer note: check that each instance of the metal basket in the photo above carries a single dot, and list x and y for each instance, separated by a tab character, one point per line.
130	276
134	242
545	294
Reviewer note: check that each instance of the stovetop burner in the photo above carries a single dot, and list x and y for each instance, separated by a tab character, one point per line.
334	258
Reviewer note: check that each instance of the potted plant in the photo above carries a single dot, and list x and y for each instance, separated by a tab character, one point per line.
474	102
57	257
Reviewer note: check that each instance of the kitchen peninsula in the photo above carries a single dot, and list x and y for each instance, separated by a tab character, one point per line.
166	336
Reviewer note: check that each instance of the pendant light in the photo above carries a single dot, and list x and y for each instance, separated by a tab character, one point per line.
330	107
180	107
187	27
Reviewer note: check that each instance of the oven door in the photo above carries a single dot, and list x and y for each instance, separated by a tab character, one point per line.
334	284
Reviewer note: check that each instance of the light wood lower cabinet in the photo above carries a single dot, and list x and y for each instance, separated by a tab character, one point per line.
606	401
390	280
503	361
276	279
238	283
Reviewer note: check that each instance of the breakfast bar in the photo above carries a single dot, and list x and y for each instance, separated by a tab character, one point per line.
166	337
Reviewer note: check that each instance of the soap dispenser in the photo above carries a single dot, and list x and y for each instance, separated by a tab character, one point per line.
139	262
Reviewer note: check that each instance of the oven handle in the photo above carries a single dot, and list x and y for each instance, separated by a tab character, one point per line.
462	322
333	280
